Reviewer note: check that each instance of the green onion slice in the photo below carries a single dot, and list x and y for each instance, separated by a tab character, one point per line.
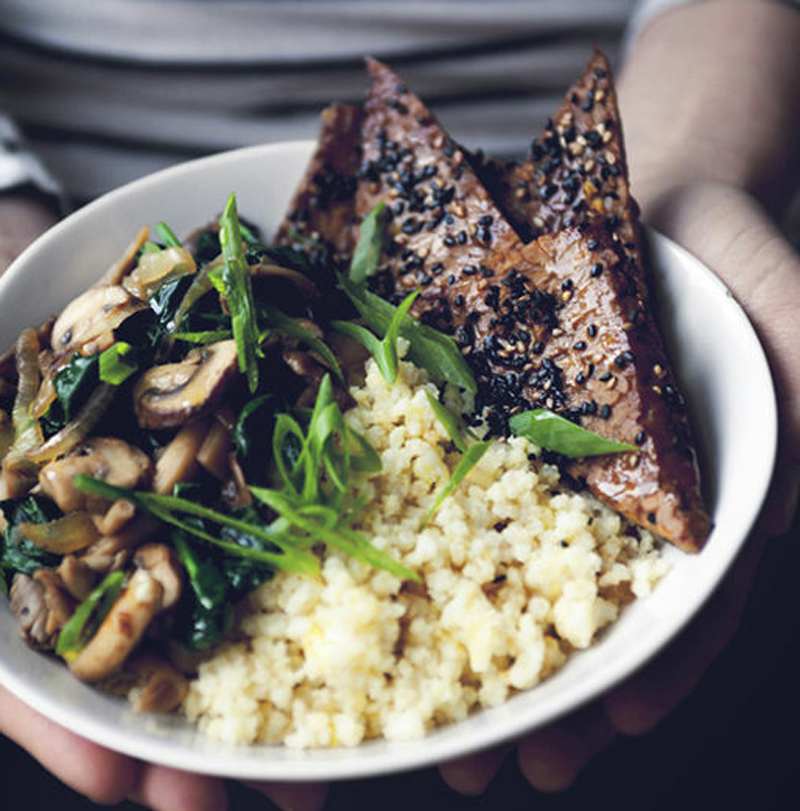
89	615
428	348
556	433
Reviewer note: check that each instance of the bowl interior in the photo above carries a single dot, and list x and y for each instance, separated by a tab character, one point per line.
710	340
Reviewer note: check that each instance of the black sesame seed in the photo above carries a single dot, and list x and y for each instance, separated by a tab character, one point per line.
592	244
579	345
591	330
605	411
623	359
639	438
651	517
597	269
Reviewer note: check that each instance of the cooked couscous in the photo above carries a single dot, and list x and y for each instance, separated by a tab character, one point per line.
517	573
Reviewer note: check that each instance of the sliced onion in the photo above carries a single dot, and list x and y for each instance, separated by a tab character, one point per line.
74	432
44	398
121	267
19	474
63	536
155	268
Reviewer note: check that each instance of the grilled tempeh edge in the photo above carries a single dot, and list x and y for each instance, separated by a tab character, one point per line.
562	322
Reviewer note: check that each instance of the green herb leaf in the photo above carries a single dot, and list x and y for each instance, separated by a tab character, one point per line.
384	351
89	615
17	553
468	461
455	428
555	433
289	326
167	508
118	363
203	337
73	384
166	235
368	460
236	287
322	524
372	236
428	348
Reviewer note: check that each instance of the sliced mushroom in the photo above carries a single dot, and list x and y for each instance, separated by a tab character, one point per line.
269	270
113	552
304	366
215	451
77	577
171	394
121	630
160	561
107	458
178	461
235	492
29	609
159	687
41	606
115	518
88	322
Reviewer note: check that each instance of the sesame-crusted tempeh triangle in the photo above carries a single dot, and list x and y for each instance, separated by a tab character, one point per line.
323	205
559	322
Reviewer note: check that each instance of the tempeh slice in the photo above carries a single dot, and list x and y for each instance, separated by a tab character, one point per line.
560	322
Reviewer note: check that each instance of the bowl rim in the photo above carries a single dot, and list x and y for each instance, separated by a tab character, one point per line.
211	757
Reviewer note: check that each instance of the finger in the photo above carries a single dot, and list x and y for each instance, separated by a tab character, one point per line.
294	796
164	789
471	775
643	701
105	777
781	506
551	758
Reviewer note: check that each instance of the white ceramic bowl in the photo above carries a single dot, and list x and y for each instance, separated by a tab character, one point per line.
722	370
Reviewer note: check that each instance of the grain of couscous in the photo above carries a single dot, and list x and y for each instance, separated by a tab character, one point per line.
517	573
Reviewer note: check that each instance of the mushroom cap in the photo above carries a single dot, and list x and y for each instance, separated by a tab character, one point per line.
88	321
160	561
121	630
171	394
107	458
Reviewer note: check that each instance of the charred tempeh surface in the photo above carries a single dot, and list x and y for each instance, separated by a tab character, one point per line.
560	323
322	208
575	172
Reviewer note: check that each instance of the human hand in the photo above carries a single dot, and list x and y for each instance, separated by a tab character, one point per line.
103	776
714	160
24	214
730	232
